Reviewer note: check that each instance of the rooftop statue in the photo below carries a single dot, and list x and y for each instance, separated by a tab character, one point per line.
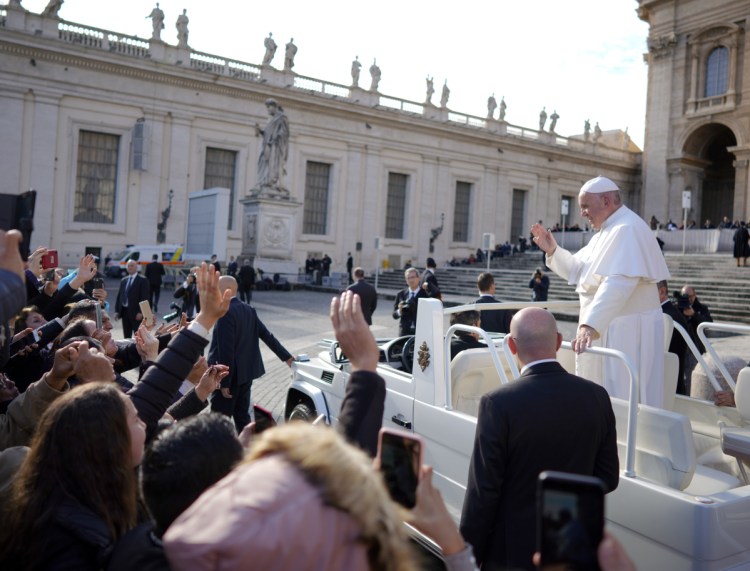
553	123
356	66
182	30
53	7
157	21
445	95
270	45
291	51
586	130
491	106
503	107
375	74
430	90
542	118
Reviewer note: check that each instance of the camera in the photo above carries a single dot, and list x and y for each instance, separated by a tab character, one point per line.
177	311
683	301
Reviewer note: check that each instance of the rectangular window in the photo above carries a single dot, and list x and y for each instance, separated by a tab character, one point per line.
317	182
220	169
96	178
395	210
572	204
461	212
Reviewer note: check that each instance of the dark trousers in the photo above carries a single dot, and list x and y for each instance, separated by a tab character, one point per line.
246	294
237	407
128	326
155	292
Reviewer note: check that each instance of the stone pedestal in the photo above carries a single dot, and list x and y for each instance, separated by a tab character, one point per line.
157	49
268	232
15	18
370	98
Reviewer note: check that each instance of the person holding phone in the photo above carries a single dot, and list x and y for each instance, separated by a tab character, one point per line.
134	289
547	420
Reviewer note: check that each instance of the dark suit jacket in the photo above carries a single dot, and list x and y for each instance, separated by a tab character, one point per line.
407	324
154	273
368	296
139	291
677	344
461	342
546	420
495	320
235	344
433	290
361	414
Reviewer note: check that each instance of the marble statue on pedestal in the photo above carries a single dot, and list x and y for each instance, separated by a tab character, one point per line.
356	66
182	30
503	107
291	51
586	130
375	74
274	149
270	45
157	21
430	90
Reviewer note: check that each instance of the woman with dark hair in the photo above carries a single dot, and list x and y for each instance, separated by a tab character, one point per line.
75	493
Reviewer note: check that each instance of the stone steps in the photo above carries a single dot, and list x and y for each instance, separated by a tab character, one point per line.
717	281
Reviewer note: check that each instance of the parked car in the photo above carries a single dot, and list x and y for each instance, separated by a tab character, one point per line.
681	502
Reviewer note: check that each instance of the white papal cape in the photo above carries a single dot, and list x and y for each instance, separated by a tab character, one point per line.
615	277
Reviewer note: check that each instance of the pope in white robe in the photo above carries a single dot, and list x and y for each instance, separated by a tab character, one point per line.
615	276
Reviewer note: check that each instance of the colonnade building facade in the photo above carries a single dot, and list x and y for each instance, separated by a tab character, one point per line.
114	132
698	109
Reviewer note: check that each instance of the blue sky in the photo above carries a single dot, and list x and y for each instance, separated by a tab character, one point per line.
583	59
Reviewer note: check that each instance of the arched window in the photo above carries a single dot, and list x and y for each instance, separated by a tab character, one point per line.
717	72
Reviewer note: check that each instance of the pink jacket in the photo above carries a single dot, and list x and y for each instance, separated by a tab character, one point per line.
264	515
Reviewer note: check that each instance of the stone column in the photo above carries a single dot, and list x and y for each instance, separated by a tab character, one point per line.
741	207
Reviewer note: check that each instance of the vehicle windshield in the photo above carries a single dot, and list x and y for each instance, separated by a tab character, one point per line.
120	255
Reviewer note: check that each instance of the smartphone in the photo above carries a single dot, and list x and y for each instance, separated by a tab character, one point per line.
570	520
263	419
49	260
148	315
17	212
400	458
24	342
97	283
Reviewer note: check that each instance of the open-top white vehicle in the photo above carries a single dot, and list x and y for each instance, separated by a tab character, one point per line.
683	501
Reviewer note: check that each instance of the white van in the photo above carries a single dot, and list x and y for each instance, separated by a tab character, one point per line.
168	254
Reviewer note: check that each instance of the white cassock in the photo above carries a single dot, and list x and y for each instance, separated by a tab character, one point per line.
615	277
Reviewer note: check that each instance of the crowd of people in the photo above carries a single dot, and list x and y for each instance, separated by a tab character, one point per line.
98	472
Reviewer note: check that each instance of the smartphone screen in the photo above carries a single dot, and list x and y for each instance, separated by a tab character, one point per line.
570	520
400	457
263	419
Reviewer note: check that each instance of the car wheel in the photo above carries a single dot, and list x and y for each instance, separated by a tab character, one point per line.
302	412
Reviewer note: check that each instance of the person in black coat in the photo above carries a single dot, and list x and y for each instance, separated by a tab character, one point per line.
246	281
134	289
235	344
741	244
546	420
677	343
154	274
539	284
428	282
463	339
494	320
367	294
405	305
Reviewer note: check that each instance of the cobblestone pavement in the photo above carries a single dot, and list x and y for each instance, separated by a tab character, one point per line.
299	319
